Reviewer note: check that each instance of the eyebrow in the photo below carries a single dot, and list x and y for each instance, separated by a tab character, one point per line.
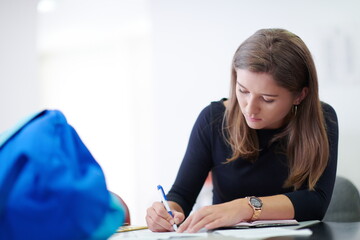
263	94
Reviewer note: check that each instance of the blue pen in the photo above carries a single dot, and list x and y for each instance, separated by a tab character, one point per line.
164	201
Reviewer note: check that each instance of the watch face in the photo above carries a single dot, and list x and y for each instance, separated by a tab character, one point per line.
256	202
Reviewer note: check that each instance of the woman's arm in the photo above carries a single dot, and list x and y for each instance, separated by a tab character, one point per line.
233	212
277	207
189	181
195	166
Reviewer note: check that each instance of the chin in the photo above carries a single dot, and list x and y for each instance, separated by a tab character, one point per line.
255	126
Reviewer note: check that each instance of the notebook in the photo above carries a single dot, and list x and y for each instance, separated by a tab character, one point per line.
263	223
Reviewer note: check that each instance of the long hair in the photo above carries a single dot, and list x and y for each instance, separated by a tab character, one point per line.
286	58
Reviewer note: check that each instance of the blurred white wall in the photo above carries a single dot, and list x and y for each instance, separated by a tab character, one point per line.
132	75
19	85
95	66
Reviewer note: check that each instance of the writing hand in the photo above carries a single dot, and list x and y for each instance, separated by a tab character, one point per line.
159	220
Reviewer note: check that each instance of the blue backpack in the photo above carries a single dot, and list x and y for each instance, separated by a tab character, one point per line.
51	187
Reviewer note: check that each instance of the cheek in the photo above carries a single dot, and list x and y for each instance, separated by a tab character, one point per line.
279	112
240	99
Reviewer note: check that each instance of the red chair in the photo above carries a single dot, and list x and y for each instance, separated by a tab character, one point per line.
127	212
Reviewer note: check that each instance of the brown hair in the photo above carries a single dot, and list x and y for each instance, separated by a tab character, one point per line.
286	57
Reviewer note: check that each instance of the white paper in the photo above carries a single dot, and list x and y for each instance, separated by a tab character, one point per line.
148	235
249	233
255	233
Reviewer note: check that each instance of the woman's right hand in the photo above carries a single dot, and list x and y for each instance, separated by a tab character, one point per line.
159	220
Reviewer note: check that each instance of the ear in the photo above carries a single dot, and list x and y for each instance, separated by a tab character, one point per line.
301	96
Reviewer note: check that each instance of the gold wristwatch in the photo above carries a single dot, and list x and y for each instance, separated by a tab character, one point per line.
256	205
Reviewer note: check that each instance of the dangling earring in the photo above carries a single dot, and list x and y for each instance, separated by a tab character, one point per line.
295	109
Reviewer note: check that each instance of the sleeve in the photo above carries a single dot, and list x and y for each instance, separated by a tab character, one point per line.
312	205
195	166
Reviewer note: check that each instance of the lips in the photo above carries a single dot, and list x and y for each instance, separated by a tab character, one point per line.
252	119
255	119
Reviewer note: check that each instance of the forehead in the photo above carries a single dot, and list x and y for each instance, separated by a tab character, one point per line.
263	83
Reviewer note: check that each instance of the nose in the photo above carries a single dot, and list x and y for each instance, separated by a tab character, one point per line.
252	106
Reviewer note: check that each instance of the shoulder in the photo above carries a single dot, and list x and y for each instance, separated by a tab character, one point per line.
212	113
214	108
329	112
328	109
331	119
217	109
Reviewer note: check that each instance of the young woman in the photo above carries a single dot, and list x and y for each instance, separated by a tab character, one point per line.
271	147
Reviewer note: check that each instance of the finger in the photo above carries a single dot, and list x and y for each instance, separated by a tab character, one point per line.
198	219
161	211
156	222
184	226
215	224
152	225
178	217
198	225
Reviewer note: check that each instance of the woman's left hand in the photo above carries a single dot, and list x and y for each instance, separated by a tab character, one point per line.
219	215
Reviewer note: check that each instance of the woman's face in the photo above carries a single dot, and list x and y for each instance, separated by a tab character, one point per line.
263	103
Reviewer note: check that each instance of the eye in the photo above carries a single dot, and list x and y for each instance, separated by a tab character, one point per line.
268	100
243	90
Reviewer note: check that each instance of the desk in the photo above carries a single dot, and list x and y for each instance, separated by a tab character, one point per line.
321	231
332	231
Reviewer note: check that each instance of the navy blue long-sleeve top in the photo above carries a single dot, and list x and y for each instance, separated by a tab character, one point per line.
207	151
